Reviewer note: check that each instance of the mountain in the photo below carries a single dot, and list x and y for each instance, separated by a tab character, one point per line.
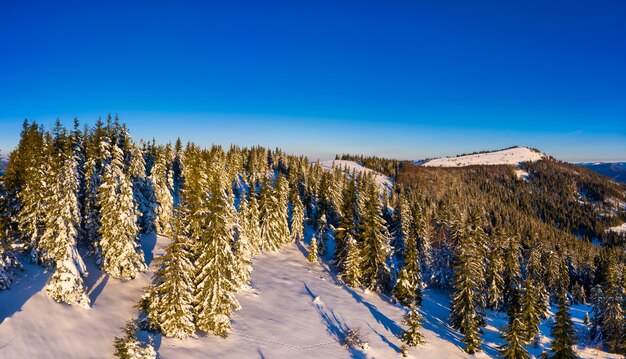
615	170
508	156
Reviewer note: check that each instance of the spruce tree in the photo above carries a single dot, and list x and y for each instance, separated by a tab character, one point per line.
273	217
613	320
243	253
171	298
375	274
351	264
161	178
121	255
249	221
348	222
408	287
562	329
216	276
58	242
464	308
312	257
531	310
411	337
297	218
493	278
514	331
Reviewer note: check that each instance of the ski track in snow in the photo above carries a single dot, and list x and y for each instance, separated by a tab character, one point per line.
281	317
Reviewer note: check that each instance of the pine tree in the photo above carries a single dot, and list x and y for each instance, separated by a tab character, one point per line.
297	219
161	178
128	347
249	221
408	287
171	298
351	264
563	329
121	255
348	222
243	253
143	191
58	242
514	332
464	308
216	276
374	237
613	319
312	257
412	337
531	310
273	217
493	278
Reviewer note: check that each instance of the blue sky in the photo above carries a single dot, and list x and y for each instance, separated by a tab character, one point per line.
399	79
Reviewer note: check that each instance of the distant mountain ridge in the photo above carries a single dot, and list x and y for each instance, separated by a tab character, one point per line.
614	170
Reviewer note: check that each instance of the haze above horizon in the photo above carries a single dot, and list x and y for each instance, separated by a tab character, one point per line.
409	80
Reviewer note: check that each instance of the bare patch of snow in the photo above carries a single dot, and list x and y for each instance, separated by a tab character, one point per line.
349	166
618	229
511	156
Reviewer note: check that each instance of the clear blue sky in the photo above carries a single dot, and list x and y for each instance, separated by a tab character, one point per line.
401	79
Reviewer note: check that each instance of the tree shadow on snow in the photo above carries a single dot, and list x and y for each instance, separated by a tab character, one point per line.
335	326
26	284
384	339
148	243
381	318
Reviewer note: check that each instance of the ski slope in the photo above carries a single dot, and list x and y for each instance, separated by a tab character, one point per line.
295	309
511	156
349	166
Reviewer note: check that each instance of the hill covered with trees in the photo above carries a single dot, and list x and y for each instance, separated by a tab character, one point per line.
488	237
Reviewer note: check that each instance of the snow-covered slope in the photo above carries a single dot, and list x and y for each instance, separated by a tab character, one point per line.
510	156
34	326
295	309
383	181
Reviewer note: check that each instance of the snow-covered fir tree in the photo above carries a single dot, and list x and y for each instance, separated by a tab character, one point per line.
143	188
58	243
128	347
312	256
514	332
161	179
171	298
493	278
612	314
374	236
34	197
249	221
351	264
562	330
411	336
273	217
119	249
216	276
408	289
531	310
243	253
297	218
347	227
465	304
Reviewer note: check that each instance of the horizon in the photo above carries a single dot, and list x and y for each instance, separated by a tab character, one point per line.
409	81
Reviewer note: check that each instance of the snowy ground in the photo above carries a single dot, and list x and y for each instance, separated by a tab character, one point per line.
383	181
619	229
281	317
511	156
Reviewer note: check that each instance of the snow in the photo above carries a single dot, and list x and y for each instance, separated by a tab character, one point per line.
511	156
619	229
383	181
293	309
521	174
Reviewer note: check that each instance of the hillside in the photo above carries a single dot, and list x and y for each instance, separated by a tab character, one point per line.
614	170
510	156
299	311
350	166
